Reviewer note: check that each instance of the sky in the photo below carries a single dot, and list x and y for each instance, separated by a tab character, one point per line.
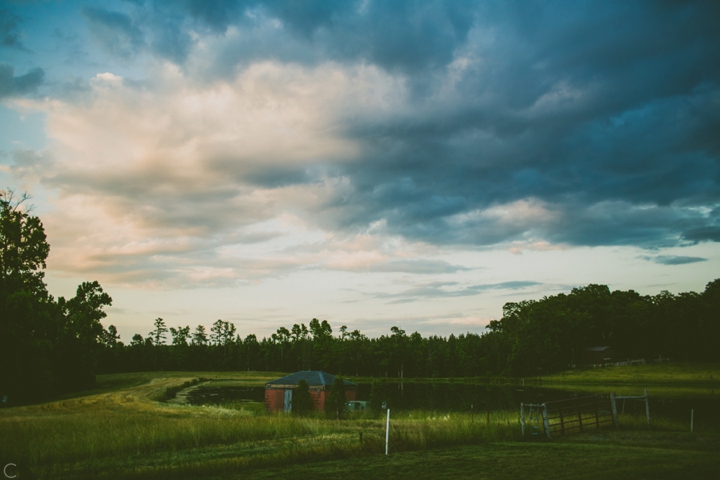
371	163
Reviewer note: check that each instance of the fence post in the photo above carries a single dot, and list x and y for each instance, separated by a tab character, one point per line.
692	420
597	414
579	412
614	409
387	432
522	418
647	407
546	422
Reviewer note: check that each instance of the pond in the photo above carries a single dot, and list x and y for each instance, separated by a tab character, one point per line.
674	403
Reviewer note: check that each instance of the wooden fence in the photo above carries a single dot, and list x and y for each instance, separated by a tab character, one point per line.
575	415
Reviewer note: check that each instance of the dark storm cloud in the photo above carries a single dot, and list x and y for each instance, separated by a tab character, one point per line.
608	118
13	86
445	289
675	259
115	32
405	36
9	30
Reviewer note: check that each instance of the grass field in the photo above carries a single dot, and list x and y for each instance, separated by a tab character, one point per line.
127	432
667	373
123	431
685	374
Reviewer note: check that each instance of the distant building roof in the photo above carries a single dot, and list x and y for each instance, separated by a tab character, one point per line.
596	349
314	378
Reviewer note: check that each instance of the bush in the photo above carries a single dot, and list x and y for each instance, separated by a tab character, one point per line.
302	403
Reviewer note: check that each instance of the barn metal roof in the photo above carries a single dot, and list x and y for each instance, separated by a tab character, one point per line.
314	378
596	349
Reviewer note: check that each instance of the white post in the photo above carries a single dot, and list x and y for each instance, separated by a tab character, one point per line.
614	409
692	419
387	432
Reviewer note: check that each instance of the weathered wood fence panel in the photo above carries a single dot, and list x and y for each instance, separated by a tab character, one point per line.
576	415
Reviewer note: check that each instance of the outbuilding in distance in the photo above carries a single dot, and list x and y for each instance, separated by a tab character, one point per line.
278	393
598	355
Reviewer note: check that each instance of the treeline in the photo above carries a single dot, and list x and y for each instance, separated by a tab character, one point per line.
533	337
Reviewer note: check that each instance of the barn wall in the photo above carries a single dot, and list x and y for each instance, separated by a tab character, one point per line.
274	399
318	397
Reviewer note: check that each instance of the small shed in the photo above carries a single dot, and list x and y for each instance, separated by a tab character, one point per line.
278	393
598	355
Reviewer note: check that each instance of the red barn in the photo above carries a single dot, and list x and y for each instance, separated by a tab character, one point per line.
278	393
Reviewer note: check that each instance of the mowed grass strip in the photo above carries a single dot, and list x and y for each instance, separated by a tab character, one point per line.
512	461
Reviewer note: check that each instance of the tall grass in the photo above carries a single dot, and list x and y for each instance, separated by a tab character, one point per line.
92	433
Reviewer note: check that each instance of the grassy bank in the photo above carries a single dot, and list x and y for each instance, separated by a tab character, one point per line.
128	432
670	373
666	373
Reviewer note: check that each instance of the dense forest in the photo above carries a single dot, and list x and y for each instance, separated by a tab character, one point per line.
50	345
532	337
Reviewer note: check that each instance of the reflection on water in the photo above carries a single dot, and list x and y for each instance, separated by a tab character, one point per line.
459	397
217	393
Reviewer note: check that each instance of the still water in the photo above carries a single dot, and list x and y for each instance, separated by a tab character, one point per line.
462	397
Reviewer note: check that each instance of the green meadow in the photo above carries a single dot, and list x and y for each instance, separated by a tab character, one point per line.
670	374
127	428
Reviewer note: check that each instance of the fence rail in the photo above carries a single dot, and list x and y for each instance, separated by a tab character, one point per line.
578	414
575	415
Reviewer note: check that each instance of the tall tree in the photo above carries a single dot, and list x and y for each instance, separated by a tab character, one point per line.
44	344
80	335
158	336
199	337
322	343
335	404
180	335
23	248
26	311
222	334
159	333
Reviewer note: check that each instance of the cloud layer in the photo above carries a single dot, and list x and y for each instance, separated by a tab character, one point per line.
252	138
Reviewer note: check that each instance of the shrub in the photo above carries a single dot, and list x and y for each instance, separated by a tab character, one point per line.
335	403
302	403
